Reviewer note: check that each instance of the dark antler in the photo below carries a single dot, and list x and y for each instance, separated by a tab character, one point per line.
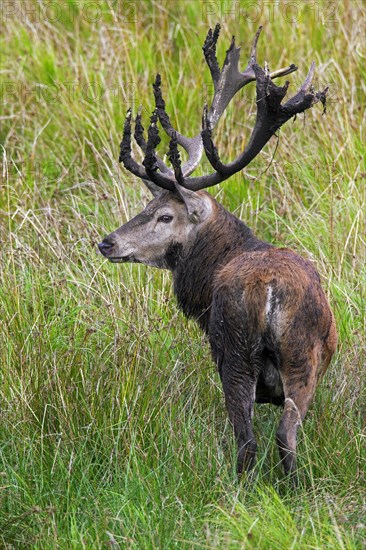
271	115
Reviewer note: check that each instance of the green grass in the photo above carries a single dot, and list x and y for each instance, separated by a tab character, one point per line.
113	430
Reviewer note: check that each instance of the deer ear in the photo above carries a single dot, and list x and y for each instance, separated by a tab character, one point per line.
198	206
154	189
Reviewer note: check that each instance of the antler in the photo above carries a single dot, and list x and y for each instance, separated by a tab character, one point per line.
271	115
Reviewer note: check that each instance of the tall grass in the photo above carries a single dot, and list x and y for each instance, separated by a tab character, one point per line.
112	423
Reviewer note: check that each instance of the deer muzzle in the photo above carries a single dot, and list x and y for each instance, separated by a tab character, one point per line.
109	249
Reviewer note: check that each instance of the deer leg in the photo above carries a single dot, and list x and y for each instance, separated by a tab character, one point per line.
286	437
298	394
239	390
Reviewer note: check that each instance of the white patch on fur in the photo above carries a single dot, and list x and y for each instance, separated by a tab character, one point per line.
253	397
290	403
268	302
273	312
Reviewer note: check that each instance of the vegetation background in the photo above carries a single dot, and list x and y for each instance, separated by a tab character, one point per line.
113	430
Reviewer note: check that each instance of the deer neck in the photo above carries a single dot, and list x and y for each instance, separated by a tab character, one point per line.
217	242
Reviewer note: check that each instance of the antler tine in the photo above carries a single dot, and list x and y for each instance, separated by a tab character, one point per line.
253	60
139	131
210	149
151	162
125	145
163	115
125	150
307	94
193	146
174	158
229	83
253	51
209	50
309	78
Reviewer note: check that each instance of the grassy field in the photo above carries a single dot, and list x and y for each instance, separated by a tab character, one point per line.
113	430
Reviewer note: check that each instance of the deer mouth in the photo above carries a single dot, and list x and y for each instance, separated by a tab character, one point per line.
123	259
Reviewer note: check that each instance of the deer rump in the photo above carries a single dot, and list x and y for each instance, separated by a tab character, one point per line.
268	311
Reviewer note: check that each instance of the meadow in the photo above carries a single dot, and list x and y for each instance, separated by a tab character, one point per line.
113	429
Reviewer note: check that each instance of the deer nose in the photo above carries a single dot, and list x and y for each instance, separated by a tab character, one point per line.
106	246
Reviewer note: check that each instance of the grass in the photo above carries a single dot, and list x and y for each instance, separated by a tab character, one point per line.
113	430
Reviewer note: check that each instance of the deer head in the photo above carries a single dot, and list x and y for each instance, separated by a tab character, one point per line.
178	209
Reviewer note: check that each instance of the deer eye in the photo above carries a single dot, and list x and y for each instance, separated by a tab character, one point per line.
165	218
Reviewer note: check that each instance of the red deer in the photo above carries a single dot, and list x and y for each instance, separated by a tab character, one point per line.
271	330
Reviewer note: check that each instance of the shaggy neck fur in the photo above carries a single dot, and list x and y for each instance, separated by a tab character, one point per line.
217	242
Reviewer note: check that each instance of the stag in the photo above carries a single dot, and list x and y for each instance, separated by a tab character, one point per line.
271	330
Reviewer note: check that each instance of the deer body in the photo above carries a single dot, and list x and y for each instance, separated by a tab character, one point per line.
269	325
271	330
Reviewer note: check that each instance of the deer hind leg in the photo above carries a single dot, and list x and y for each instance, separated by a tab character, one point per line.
299	389
239	390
